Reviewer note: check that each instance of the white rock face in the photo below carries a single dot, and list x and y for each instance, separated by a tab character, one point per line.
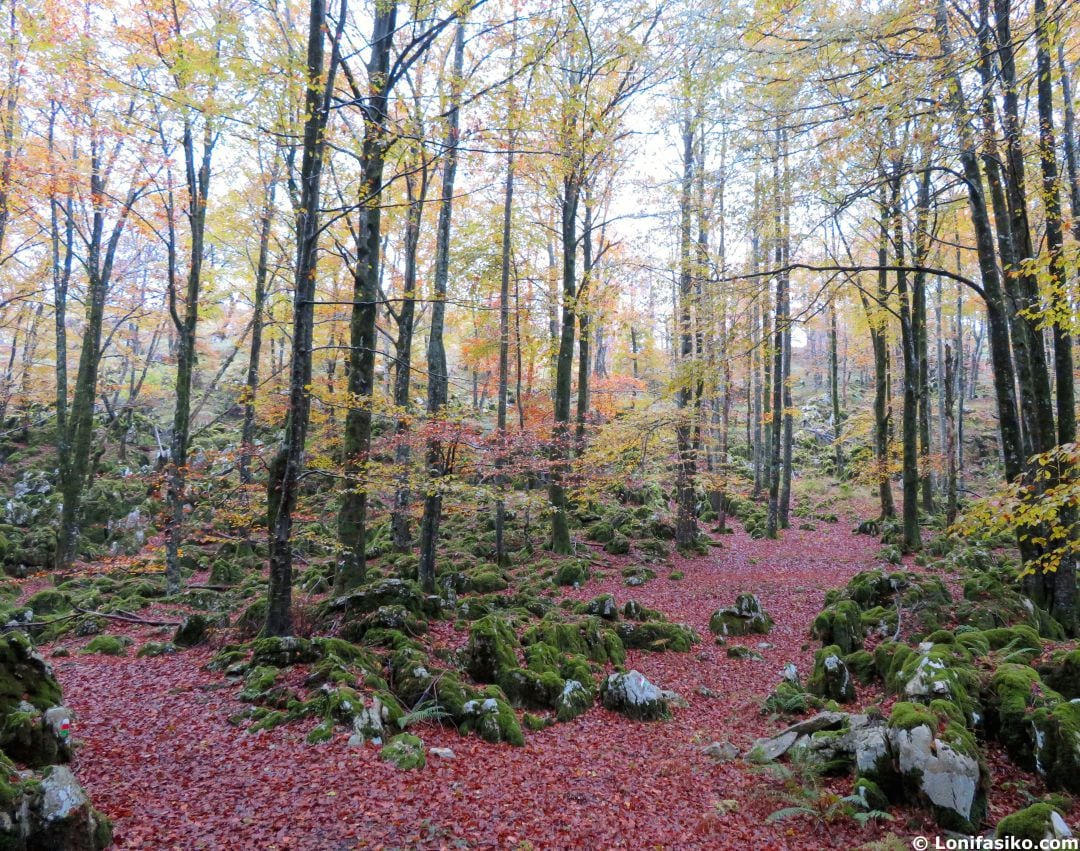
62	794
949	779
1058	828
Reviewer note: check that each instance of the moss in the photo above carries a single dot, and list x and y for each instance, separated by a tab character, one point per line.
535	723
841	625
281	652
541	658
252	619
889	659
577	668
530	689
941	636
268	720
830	677
576	698
492	649
1032	823
1062	673
789	699
156	648
492	718
879	620
585	637
321	732
192	631
737	651
976	643
870	793
633	610
676	575
603	606
1013	637
744	618
108	645
258	681
908	716
49	602
405	751
394	617
572	573
1056	744
486	581
657	636
600	532
861	664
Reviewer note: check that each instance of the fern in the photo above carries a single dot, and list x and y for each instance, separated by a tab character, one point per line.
425	711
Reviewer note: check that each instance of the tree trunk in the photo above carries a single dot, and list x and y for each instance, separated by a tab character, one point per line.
283	481
352	518
686	531
438	379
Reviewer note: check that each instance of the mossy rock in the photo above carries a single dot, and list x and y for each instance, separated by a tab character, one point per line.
939	673
258	682
1062	673
618	544
600	533
382	592
789	698
657	636
486	581
491	718
585	637
492	649
405	751
1013	638
861	664
542	658
1034	824
830	678
530	689
870	588
572	573
252	619
226	572
840	624
49	602
746	654
156	648
576	698
192	631
746	617
879	620
392	617
870	793
281	652
1056	744
108	645
634	611
603	606
634	696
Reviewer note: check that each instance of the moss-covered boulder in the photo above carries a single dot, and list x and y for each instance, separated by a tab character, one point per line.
225	571
572	573
405	751
492	648
107	645
283	651
531	689
384	592
491	718
657	636
830	678
744	618
618	544
936	673
193	631
576	697
49	602
870	588
603	606
790	698
634	696
1062	673
840	624
938	764
1034	824
862	666
588	637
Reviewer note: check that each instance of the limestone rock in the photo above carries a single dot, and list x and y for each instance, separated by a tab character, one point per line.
634	696
744	618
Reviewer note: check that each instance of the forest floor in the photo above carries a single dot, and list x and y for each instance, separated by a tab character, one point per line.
160	758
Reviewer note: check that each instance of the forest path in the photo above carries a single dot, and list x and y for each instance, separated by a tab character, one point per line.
160	758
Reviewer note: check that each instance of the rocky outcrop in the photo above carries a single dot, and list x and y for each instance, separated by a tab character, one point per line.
745	617
634	696
41	807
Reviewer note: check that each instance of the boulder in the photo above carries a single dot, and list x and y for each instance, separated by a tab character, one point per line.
744	618
192	631
405	751
1034	823
840	624
492	649
940	773
634	696
492	719
830	678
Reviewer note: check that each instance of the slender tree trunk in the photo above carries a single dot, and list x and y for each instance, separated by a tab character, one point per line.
438	379
198	188
584	334
352	518
283	482
262	275
834	392
504	343
560	527
686	531
406	316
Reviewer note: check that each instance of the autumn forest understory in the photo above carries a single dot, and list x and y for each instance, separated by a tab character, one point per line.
537	424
